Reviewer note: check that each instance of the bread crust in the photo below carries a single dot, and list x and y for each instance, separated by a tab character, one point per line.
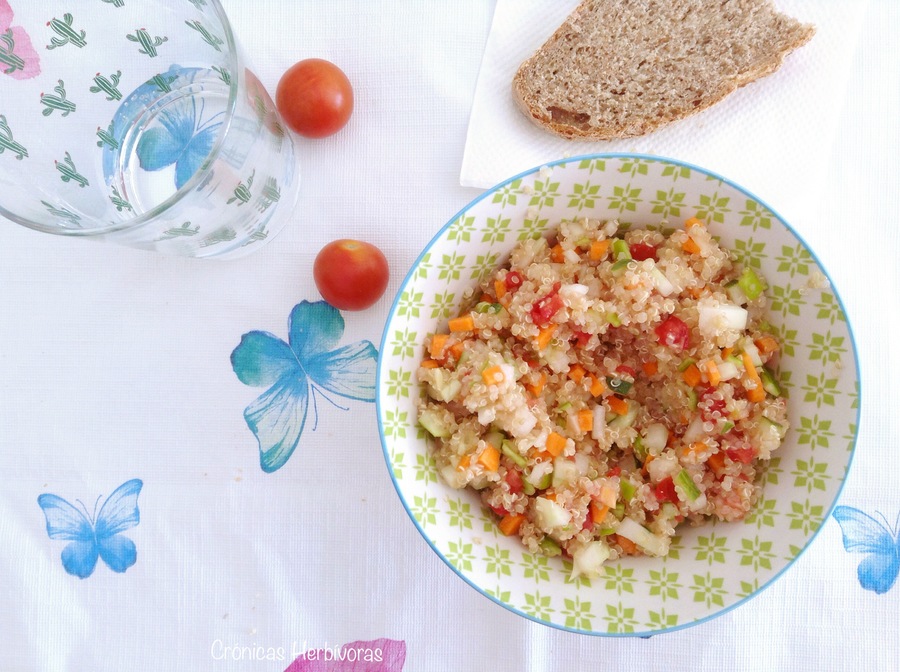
758	41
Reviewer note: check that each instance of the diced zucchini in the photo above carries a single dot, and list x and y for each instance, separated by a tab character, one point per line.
619	266
433	423
770	384
508	449
656	436
626	420
618	385
735	293
644	538
549	547
627	489
663	285
750	283
564	471
549	515
588	560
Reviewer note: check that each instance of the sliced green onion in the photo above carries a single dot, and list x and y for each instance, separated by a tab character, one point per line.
507	448
769	382
621	251
549	547
691	491
727	426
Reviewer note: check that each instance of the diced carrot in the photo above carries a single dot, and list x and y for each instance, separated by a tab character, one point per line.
716	461
489	458
540	455
691	222
576	372
538	385
556	254
617	405
695	292
545	335
598	249
585	419
556	443
647	461
549	494
438	343
597	385
628	546
464	463
510	523
500	288
430	364
712	372
598	511
650	368
690	246
766	344
697	447
462	323
756	393
493	375
726	353
457	349
692	375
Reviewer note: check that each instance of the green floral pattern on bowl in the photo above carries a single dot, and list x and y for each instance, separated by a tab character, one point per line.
712	568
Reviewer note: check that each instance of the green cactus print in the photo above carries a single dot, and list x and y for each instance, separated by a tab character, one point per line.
107	137
69	173
242	192
221	236
7	57
182	231
65	33
269	195
115	3
62	213
148	44
224	75
7	142
117	200
212	40
57	102
163	83
108	85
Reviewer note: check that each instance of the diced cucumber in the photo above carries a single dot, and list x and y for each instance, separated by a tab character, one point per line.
442	387
715	316
728	370
433	423
690	489
564	471
656	436
663	285
639	448
735	293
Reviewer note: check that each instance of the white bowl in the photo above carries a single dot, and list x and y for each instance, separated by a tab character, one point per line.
711	568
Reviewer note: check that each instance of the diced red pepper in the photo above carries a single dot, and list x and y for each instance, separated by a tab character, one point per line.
743	454
642	251
673	333
665	491
625	370
588	520
499	510
615	471
581	338
709	405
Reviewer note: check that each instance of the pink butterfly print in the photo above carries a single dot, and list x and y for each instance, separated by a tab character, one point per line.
377	655
18	59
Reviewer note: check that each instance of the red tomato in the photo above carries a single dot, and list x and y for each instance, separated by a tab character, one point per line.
514	480
665	491
315	98
673	333
743	454
513	281
350	274
642	251
546	307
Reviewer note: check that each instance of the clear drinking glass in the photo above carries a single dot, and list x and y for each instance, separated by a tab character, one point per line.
139	122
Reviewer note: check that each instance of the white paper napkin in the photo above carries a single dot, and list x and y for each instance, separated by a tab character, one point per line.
773	137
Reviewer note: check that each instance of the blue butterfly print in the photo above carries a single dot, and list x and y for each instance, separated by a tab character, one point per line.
97	535
182	138
307	366
881	545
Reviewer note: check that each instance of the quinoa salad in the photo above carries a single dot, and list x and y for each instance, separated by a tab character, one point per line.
604	387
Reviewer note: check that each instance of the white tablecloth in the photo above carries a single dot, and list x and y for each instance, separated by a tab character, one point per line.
116	367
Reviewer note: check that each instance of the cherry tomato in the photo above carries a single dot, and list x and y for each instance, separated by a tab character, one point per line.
513	281
665	491
315	98
674	333
514	480
743	454
546	307
350	274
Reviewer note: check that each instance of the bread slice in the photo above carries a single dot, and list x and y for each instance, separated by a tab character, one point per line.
624	68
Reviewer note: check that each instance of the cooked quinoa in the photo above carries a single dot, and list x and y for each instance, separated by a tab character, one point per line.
602	388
